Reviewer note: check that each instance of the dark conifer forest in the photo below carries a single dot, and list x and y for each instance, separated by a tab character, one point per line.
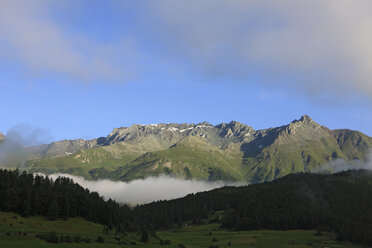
29	194
339	203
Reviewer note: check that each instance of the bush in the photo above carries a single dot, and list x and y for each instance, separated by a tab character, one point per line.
86	240
100	239
50	237
319	231
77	238
165	242
145	237
67	239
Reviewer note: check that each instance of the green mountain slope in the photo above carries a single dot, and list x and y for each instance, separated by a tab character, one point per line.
192	157
228	151
302	146
92	163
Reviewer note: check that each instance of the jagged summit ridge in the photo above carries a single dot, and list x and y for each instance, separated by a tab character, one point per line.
227	151
167	134
229	129
306	128
234	131
306	118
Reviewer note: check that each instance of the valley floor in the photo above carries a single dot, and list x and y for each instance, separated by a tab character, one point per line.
16	231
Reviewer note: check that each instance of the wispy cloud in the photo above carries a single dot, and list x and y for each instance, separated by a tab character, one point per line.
339	165
30	35
27	135
145	190
318	48
12	148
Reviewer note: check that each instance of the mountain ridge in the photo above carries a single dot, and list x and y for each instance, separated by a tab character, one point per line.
226	151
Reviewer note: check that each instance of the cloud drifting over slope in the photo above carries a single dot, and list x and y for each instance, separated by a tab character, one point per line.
27	135
12	148
145	190
339	165
318	48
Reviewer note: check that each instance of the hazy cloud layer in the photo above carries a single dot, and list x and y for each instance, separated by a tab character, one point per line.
318	48
29	34
145	190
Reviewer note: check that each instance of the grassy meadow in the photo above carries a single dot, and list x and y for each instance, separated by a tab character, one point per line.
16	231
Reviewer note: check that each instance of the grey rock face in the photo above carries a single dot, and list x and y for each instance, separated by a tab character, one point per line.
151	137
169	134
60	148
164	135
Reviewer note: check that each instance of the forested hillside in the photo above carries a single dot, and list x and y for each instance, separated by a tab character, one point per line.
338	203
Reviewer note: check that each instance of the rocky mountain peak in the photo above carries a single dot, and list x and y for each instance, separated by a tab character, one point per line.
306	118
2	136
304	121
304	128
236	126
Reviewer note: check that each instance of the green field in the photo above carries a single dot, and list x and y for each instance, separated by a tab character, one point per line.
16	231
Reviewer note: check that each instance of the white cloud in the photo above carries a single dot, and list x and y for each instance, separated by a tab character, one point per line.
27	135
145	190
28	34
339	165
315	47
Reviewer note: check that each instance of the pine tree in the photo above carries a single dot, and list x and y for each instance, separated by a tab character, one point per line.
26	209
52	211
66	209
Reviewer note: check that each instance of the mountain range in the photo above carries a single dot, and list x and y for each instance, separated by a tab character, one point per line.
228	151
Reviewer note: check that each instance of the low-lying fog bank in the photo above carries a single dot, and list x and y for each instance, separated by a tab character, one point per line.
150	189
146	190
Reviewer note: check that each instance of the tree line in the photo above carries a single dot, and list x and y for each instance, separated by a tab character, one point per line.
29	194
339	203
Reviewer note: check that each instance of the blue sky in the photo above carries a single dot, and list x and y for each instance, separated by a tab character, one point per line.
78	69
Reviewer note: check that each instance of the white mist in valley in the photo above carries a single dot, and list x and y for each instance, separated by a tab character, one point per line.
146	190
339	165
